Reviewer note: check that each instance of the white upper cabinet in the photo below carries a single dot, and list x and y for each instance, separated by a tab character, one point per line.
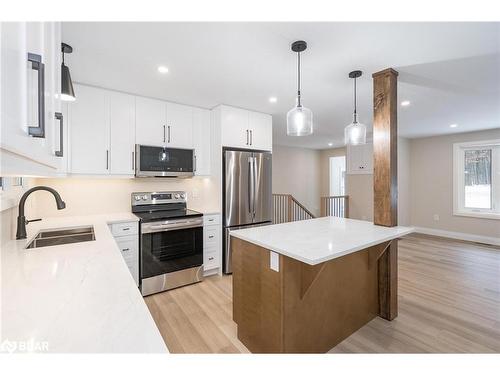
261	131
101	132
30	70
202	141
179	126
89	131
246	129
234	127
360	159
150	122
122	133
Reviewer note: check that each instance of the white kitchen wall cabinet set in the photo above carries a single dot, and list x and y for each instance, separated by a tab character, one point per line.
360	159
105	125
31	123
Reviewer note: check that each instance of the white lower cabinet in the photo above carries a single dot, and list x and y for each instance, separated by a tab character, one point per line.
127	237
212	249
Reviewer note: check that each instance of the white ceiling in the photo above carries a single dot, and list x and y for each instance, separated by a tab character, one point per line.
449	71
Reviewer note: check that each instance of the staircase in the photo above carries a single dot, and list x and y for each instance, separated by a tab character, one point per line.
286	208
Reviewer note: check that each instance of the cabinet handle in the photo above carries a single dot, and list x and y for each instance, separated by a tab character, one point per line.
251	137
60	153
247	137
164	137
168	134
125	228
133	159
107	159
36	64
127	249
211	258
210	236
195	163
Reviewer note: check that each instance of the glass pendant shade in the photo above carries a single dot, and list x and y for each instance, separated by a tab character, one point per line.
355	133
299	121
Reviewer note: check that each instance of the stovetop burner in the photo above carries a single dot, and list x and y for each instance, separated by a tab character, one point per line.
161	205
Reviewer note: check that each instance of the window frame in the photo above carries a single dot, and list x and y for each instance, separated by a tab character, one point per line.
459	208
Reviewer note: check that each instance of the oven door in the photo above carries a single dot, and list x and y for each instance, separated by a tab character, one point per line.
171	246
154	161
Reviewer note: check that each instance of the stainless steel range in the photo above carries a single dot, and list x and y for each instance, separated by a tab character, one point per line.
171	241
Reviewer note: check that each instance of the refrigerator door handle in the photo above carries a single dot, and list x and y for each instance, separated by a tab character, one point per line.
250	185
255	174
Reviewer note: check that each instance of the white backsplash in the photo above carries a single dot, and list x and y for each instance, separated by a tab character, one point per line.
86	196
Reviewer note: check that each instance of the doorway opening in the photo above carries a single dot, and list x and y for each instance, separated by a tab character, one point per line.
337	175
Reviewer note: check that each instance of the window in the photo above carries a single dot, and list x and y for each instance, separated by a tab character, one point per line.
477	179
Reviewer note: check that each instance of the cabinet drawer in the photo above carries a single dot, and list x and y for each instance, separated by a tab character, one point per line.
129	246
211	219
210	259
211	236
124	229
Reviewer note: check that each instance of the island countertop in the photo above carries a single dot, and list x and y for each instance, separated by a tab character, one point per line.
74	298
319	240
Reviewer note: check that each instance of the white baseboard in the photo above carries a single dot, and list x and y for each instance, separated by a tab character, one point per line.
459	235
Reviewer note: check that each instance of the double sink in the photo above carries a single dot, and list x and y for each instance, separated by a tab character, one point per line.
62	236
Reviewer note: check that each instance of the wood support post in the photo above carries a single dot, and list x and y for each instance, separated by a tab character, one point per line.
385	183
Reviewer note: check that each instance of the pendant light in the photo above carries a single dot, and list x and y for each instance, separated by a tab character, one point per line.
299	120
67	92
355	133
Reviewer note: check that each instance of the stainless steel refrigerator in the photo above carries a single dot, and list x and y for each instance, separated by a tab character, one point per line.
247	194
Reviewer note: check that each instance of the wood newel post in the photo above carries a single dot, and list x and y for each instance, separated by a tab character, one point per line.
385	183
289	198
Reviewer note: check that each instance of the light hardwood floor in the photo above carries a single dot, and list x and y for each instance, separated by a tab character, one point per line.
449	302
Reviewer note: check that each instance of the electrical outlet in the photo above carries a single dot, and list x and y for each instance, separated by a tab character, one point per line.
435	217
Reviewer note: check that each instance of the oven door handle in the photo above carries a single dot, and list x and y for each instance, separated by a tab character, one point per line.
152	228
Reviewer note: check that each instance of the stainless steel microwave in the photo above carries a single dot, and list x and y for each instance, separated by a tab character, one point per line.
156	161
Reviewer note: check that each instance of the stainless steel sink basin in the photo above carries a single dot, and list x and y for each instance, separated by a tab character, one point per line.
62	236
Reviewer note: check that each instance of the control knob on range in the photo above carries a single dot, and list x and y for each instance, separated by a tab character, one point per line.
176	195
183	195
137	197
144	197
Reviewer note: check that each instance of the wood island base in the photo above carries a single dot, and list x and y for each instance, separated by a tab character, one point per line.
310	309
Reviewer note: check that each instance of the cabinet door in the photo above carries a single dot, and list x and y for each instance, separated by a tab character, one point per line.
122	133
150	121
179	125
202	141
21	97
234	127
89	131
261	127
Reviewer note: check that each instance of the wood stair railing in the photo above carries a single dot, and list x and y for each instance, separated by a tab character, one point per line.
335	206
286	208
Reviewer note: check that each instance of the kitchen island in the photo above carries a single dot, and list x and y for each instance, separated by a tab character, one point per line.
304	286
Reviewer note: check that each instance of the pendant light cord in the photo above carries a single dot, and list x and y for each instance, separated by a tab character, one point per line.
355	96
298	80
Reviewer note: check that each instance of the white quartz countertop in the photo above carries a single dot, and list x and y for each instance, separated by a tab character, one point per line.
73	298
319	240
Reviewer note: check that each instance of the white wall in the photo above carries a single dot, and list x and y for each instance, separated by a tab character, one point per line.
297	171
404	186
431	181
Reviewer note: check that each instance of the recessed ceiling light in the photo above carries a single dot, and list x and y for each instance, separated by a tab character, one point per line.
405	103
273	99
330	144
453	125
163	69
